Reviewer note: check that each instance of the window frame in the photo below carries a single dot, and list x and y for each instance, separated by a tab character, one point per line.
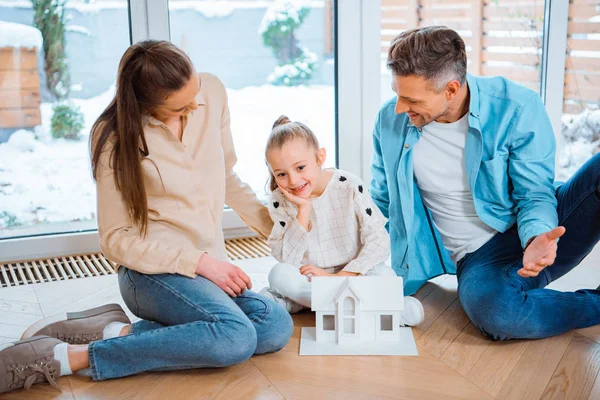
149	19
358	91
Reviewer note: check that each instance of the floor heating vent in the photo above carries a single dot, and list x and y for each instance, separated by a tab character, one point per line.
87	265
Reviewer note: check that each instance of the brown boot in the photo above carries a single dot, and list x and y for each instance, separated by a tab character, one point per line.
80	327
28	362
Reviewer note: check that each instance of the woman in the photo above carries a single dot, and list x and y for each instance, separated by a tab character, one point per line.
162	158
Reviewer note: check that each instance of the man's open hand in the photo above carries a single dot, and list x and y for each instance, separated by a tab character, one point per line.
541	252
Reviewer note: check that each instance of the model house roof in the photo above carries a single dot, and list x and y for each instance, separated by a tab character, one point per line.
373	292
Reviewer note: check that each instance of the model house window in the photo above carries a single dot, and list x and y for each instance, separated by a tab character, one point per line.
349	326
349	306
349	316
386	323
328	322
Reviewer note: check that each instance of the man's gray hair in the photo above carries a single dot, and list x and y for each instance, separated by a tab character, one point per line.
436	53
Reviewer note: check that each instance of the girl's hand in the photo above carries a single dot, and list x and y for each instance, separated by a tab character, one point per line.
225	275
304	208
313	271
298	201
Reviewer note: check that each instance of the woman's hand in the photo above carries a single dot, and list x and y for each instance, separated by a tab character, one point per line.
313	271
225	275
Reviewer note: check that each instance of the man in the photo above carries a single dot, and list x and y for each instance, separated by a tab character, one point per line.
464	170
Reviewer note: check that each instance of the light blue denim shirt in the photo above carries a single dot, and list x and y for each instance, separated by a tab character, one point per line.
509	152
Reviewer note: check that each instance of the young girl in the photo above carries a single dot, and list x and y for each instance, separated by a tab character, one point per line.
325	223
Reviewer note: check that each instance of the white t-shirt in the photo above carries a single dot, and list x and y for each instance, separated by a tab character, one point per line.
440	171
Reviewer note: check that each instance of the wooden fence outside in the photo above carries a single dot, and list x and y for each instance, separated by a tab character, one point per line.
504	37
19	88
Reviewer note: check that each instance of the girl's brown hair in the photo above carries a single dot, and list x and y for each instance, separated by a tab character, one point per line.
284	131
149	72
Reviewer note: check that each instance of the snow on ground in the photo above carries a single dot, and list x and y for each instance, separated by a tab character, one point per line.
19	35
43	179
581	135
49	180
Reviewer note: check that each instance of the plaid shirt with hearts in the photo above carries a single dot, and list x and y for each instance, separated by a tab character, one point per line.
348	230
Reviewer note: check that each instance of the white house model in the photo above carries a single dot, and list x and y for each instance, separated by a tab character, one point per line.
357	315
361	309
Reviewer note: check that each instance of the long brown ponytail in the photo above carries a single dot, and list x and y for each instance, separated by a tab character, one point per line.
149	72
282	132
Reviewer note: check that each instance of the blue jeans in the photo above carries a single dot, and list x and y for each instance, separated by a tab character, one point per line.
504	305
188	323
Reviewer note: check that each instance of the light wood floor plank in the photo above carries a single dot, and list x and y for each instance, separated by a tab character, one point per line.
421	377
425	291
414	378
42	392
246	382
132	387
444	330
495	365
429	287
466	350
436	303
535	368
243	381
296	391
576	372
593	333
595	392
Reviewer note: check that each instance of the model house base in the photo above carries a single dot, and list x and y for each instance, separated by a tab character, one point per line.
357	316
406	346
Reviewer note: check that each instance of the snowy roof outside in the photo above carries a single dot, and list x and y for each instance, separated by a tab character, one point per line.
19	35
374	292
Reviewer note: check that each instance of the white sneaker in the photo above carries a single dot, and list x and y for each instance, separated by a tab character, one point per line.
289	305
413	313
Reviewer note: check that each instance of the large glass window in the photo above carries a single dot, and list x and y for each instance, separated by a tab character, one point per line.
581	113
57	73
501	37
274	57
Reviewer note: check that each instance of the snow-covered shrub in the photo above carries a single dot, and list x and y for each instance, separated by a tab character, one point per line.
581	126
67	121
49	18
8	220
278	30
295	73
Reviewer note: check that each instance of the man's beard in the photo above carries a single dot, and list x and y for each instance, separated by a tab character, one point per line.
421	121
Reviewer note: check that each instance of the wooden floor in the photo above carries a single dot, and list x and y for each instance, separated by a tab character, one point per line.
454	362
